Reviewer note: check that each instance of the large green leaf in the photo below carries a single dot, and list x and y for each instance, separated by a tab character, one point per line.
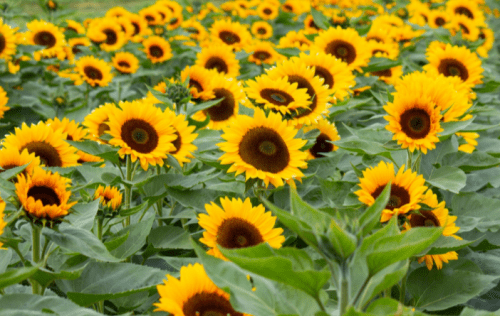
448	178
137	234
445	244
468	162
371	217
83	215
170	237
16	275
287	265
36	305
475	210
319	19
388	306
45	276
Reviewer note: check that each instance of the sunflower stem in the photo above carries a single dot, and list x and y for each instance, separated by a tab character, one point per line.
402	293
119	93
344	291
409	159
416	164
35	247
159	203
128	188
100	221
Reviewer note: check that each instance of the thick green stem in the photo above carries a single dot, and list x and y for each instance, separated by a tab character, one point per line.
100	221
128	188
159	204
416	164
402	293
344	295
409	161
35	247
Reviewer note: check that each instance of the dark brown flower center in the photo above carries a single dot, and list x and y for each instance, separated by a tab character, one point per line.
111	36
192	30
451	67
124	64
75	49
383	73
261	55
149	18
92	73
276	97
440	21
238	233
225	108
263	148
49	156
140	135
229	37
217	63
137	28
155	51
267	11
102	128
45	38
342	50
327	76
464	28
303	83
322	145
424	219
287	8
375	38
208	304
3	43
195	84
45	194
177	143
464	11
415	123
399	196
261	31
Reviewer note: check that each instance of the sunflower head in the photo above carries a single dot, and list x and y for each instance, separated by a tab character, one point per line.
109	197
199	81
157	49
45	34
183	144
11	157
125	62
262	30
97	121
8	42
96	72
323	143
220	58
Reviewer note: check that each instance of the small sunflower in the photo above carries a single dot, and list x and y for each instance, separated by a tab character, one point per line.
140	25
263	53
8	41
455	61
220	58
295	39
323	144
267	11
277	94
224	112
97	121
379	34
109	197
3	102
11	157
263	147
75	27
345	44
96	72
334	72
125	62
183	144
199	81
193	294
437	217
45	34
157	49
117	12
389	50
407	189
438	18
44	195
195	29
151	15
469	9
262	30
469	29
296	6
142	131
78	41
233	34
238	224
310	26
488	36
414	120
390	75
45	143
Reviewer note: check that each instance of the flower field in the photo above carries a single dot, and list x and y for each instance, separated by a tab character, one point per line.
250	157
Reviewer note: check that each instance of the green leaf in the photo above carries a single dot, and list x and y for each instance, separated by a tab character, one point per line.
448	178
101	150
79	241
445	244
133	210
371	217
388	306
441	289
468	162
474	312
104	280
202	106
5	257
136	239
45	276
14	276
450	128
319	19
380	63
35	305
83	215
170	237
287	265
12	172
475	210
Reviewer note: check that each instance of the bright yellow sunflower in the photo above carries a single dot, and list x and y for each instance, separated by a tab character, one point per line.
407	189
295	39
109	197
97	121
199	80
380	34
267	11
193	294
117	12
125	62
309	25
437	217
75	27
469	9
233	34
455	61
263	147
220	58
96	72
345	44
438	18
224	112
157	49
298	72
469	29
488	36
390	75
8	41
142	131
183	144
140	25
78	41
151	15
296	6
45	143
238	224
419	13
262	30
44	195
195	29
263	53
45	34
323	144
277	94
3	102
387	50
11	157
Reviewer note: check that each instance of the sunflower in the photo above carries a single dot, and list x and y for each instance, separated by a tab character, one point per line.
469	29
277	94
3	102
488	36
470	141
125	62
96	72
3	223
45	34
193	294
75	27
8	41
419	13
97	121
379	34
263	147
109	197
233	34
323	143
78	41
195	29
390	75
389	50
437	217
296	6
151	15
407	189
142	131
164	12
224	112
334	72
220	58
238	225
108	32
345	44
309	25
117	12
262	30
175	21
263	53
297	72
126	26
183	144
140	25
44	194
199	81
295	39
11	157
157	49
438	18
414	120
267	11
469	9
45	143
455	61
